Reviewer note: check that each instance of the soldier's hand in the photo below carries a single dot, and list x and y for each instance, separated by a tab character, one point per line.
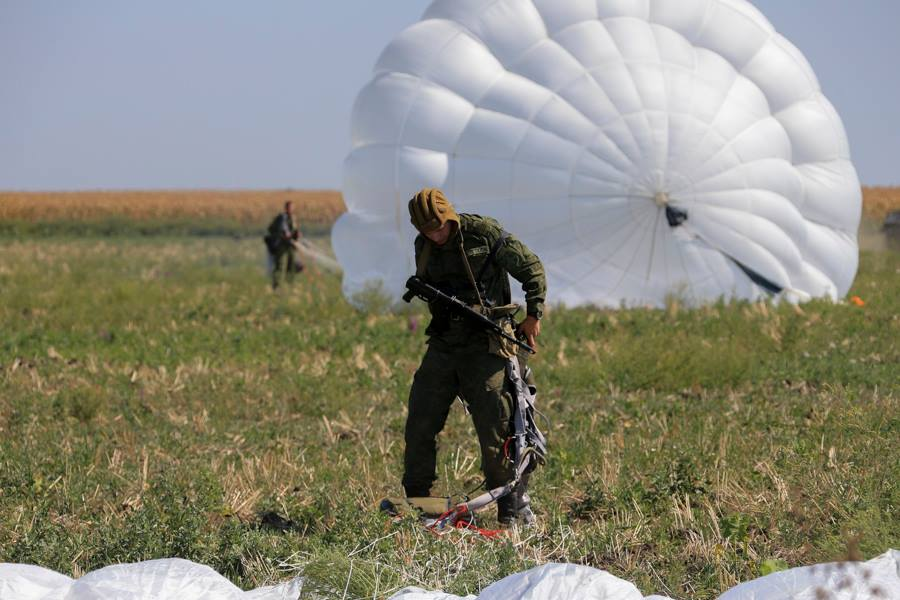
531	329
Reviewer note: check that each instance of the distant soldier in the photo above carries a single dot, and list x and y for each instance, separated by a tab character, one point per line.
469	257
281	240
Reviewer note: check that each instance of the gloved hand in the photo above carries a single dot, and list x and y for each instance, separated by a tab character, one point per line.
531	329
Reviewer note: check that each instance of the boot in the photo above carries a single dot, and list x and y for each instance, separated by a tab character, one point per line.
514	510
417	491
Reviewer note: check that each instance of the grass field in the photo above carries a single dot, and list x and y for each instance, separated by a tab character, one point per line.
157	400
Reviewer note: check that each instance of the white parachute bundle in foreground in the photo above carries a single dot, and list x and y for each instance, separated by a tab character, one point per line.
165	579
877	579
176	579
642	148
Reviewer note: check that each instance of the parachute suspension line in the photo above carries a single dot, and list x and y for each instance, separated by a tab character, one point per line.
547	422
653	244
461	518
480	485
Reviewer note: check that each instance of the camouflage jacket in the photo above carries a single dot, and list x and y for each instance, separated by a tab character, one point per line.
446	270
281	227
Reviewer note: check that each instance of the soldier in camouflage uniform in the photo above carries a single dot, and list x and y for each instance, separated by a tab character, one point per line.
281	239
459	360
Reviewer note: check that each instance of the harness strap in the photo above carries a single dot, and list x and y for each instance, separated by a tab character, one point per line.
422	263
465	259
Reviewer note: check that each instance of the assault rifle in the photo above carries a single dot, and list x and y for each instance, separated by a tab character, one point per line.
417	287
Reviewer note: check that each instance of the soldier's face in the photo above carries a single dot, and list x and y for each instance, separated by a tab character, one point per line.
440	236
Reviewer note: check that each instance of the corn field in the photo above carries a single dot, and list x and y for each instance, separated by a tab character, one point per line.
253	206
245	206
879	201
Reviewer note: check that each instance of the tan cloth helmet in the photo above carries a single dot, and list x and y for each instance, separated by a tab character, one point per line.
430	209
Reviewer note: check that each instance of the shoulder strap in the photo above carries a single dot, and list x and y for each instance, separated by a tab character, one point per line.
465	260
501	241
422	263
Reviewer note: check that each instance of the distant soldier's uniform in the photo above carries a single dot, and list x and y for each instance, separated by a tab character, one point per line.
280	241
461	359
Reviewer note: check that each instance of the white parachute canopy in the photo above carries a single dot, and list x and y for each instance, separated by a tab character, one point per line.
642	148
164	579
876	579
177	579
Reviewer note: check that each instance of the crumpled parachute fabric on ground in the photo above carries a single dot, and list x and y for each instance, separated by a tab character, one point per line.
643	149
877	579
177	579
165	579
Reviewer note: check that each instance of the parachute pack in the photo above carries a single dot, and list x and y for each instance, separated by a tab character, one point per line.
272	239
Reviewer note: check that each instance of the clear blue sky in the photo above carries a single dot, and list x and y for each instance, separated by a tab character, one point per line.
111	94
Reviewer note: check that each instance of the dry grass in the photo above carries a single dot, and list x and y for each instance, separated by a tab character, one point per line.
317	206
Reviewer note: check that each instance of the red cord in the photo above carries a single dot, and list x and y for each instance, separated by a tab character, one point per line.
462	523
506	448
488	533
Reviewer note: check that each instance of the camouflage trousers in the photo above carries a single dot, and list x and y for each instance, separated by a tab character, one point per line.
478	378
286	263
